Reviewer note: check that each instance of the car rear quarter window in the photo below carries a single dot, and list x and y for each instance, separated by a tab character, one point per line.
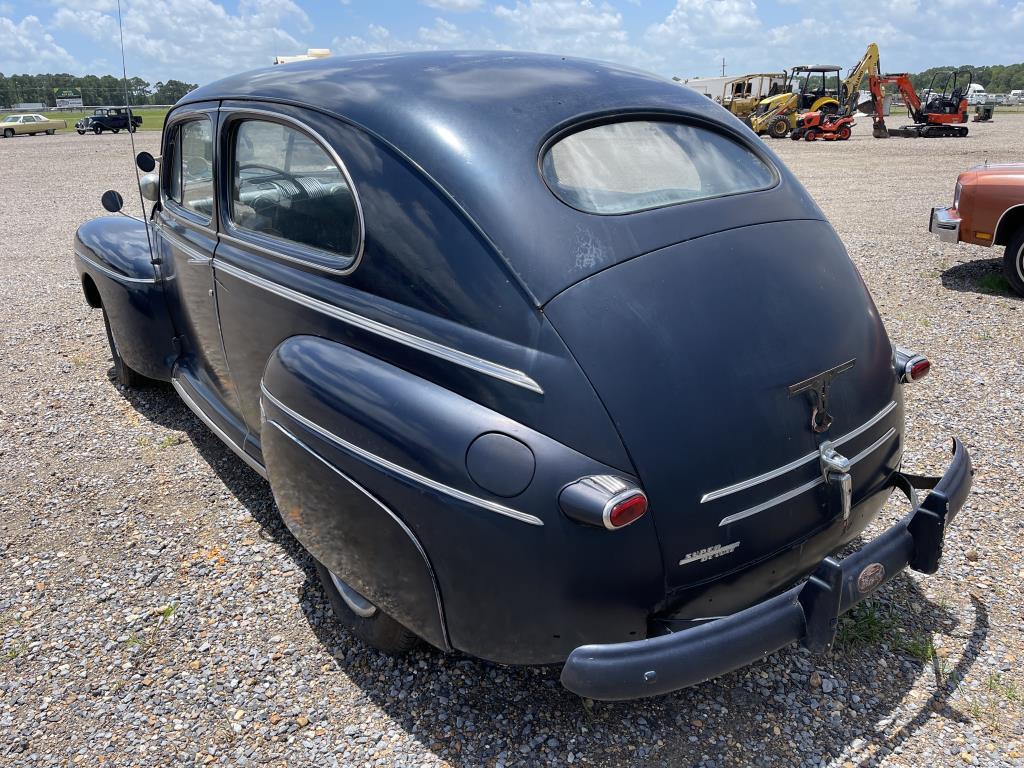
636	165
287	186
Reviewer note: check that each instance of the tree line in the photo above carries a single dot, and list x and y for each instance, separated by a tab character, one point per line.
994	79
96	90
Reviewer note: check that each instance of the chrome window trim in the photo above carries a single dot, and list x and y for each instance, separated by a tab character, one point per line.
813	456
793	493
175	208
229	224
375	500
390	466
237	449
456	356
111	273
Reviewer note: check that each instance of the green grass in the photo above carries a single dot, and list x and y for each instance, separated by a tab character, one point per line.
995	283
152	119
871	623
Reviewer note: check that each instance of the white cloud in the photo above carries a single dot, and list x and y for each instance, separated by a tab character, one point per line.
572	27
163	39
29	47
457	6
704	22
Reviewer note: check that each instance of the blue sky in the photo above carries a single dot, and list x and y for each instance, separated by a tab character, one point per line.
201	40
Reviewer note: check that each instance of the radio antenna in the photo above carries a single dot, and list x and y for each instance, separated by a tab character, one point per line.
131	134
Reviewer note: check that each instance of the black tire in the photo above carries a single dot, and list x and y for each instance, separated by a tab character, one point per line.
51	132
33	133
115	130
131	129
1013	261
8	133
778	128
123	375
97	129
80	132
379	631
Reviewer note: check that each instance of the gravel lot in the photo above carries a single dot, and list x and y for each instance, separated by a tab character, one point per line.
155	611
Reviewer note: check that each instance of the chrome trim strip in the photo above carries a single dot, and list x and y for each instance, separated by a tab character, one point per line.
792	494
866	425
466	360
195	256
772	474
995	232
390	466
396	518
326	146
111	273
194	407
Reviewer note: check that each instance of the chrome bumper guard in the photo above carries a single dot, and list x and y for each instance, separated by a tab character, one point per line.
809	612
945	222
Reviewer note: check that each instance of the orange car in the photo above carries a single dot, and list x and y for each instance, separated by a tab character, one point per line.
988	209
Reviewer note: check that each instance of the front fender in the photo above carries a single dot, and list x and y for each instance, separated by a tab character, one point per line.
113	260
359	451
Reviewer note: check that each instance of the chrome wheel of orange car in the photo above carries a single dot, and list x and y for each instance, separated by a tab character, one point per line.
1013	261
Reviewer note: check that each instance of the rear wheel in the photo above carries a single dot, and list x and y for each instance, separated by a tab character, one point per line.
1013	261
97	129
123	375
368	622
131	129
778	128
51	132
844	133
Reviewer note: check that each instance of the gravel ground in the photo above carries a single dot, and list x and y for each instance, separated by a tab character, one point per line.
155	611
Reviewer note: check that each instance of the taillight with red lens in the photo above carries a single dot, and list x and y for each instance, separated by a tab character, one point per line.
910	366
918	369
627	510
607	501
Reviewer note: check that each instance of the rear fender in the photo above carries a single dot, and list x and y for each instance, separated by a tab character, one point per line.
369	465
113	260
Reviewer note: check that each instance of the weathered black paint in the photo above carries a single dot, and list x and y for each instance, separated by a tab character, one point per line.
664	343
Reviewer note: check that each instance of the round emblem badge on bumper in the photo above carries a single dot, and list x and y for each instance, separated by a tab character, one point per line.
870	578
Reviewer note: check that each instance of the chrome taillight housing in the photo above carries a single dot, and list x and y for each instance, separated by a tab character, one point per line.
608	501
910	366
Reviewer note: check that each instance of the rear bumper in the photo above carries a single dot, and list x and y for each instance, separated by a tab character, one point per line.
945	222
808	612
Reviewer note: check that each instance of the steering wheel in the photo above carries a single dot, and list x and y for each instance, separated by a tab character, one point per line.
195	166
276	172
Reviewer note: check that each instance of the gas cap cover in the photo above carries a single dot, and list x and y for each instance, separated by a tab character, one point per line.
500	464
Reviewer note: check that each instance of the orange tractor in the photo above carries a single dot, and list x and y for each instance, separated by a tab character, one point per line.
812	126
939	116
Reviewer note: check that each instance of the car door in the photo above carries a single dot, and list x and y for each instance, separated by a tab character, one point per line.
186	236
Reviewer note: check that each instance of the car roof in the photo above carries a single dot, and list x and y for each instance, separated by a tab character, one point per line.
475	123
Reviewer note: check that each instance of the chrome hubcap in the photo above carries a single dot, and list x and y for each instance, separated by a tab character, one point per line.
358	604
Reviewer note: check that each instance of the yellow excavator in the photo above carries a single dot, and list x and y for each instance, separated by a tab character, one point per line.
811	88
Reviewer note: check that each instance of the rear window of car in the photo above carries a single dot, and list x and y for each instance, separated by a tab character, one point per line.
637	165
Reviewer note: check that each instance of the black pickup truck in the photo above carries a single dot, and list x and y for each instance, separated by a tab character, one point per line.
109	119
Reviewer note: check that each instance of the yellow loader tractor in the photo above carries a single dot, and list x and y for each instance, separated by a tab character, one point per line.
809	88
814	88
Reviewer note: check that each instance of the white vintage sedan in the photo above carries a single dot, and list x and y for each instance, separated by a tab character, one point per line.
14	125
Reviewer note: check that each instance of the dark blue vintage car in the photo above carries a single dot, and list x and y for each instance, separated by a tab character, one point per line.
546	360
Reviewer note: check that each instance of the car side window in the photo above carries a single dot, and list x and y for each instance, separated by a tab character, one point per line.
190	182
286	185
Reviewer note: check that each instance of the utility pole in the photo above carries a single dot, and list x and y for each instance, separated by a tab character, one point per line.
723	66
